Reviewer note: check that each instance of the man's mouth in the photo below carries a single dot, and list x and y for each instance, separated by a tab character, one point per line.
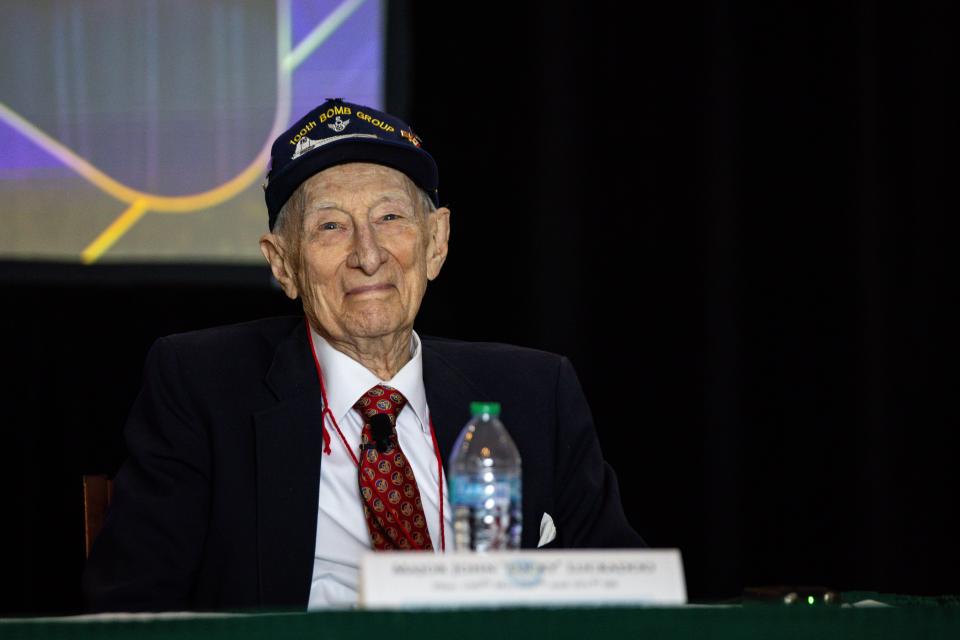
368	288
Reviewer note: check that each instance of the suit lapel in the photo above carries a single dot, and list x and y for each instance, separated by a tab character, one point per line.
289	446
449	395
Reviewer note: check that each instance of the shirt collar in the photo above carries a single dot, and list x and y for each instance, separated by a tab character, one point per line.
346	380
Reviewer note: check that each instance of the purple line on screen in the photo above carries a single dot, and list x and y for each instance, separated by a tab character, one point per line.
18	154
348	65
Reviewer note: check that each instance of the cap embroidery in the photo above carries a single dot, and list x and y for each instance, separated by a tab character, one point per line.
412	137
339	125
307	144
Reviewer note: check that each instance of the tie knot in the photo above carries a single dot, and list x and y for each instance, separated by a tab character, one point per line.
381	399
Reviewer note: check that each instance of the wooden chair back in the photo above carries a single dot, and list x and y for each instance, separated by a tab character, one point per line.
97	493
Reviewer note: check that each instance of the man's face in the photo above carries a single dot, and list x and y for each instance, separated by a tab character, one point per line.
363	253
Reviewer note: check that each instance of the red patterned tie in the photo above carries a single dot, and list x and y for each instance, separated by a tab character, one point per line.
391	500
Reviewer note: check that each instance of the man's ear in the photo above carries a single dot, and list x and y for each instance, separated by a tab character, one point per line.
438	229
280	259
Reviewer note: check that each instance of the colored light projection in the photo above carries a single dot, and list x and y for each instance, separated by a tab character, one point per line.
140	130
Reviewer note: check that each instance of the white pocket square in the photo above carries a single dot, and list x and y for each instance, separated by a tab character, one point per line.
547	530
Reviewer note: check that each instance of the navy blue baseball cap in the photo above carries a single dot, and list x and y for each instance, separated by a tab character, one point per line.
339	132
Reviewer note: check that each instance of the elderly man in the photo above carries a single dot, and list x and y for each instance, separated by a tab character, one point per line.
244	486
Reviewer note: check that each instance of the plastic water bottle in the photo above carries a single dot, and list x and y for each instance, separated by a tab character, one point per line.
485	483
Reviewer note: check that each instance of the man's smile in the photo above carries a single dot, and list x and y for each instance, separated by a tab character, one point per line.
369	289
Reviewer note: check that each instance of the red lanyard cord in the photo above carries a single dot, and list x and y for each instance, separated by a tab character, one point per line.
326	435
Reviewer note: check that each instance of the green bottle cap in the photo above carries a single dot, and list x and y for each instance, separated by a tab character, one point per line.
493	408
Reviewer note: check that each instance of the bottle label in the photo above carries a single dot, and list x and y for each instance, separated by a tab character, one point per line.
474	492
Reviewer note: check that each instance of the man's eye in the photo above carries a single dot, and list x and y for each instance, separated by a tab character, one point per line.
329	226
391	216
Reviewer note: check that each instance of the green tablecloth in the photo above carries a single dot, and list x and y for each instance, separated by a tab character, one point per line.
909	618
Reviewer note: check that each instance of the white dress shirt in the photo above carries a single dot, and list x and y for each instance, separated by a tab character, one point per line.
342	534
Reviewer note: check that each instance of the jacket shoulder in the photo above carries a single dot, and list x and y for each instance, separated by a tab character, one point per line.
488	357
228	352
267	332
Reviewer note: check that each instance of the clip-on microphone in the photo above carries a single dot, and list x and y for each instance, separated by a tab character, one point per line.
380	430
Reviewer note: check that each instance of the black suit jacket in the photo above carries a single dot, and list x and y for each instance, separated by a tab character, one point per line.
216	506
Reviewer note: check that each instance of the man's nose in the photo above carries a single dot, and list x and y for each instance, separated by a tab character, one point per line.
367	254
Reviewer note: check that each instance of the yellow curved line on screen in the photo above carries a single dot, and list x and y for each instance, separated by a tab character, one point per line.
120	191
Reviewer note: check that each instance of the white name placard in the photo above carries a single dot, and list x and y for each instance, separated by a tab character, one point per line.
391	580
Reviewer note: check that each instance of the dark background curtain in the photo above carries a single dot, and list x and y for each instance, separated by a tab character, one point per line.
737	220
